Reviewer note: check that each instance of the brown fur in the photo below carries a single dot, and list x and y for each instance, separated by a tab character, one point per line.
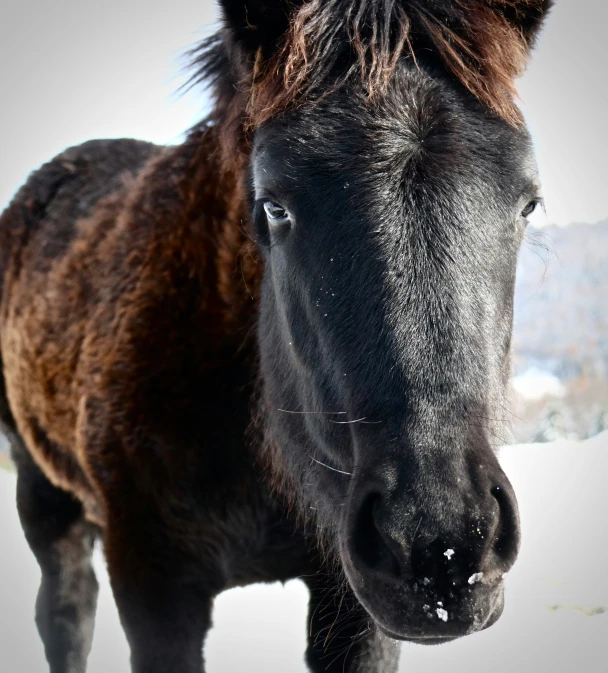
66	338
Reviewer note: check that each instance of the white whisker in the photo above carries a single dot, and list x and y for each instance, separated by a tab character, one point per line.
333	469
330	413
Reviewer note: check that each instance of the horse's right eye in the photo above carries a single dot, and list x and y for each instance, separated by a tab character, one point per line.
275	214
530	208
271	221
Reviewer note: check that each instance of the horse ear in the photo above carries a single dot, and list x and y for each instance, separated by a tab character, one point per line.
527	16
257	24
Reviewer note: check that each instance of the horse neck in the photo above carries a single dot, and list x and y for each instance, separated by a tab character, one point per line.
199	243
215	200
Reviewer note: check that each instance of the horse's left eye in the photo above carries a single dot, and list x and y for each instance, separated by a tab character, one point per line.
275	214
530	208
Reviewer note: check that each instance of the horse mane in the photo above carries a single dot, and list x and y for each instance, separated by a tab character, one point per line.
329	43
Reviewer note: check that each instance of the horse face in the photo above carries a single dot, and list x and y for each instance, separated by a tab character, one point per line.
390	233
389	225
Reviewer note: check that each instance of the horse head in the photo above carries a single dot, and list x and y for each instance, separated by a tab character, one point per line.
390	175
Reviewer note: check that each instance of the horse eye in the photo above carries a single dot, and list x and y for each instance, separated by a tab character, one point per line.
275	214
530	208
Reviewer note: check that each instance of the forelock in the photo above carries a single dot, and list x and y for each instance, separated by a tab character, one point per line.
333	42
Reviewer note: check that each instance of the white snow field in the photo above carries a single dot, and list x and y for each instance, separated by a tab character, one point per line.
556	615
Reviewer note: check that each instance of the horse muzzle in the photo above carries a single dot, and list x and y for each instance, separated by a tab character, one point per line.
428	566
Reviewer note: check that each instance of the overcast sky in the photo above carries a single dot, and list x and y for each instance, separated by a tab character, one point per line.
71	70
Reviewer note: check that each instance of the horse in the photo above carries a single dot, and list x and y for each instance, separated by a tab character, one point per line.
281	349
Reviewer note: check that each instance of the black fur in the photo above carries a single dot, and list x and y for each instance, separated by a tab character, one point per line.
387	304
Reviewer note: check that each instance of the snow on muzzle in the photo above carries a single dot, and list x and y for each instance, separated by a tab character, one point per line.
427	561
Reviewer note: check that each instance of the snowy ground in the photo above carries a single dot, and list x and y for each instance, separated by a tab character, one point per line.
554	619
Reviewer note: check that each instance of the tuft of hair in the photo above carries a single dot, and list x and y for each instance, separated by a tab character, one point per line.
331	42
483	44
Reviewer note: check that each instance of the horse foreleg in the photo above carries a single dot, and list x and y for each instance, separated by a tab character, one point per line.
62	541
341	636
162	597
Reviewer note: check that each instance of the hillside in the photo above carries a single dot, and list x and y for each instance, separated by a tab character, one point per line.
561	307
560	339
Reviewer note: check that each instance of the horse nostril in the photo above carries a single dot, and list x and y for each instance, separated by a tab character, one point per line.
370	546
506	539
